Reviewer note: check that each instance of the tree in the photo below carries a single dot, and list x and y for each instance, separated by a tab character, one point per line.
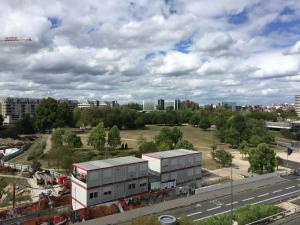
244	149
255	140
222	156
232	137
96	137
185	144
204	123
25	125
168	138
262	159
36	165
114	138
176	135
71	139
146	147
57	137
50	114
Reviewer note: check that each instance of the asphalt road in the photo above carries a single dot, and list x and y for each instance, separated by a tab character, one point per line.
264	195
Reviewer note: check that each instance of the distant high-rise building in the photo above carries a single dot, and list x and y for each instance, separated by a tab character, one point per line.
148	106
114	103
177	104
169	105
297	104
229	105
160	104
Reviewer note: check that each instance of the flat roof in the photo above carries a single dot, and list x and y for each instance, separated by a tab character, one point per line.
171	153
106	163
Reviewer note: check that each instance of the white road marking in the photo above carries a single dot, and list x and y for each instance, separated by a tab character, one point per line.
289	187
293	192
211	215
232	203
247	199
277	191
213	208
192	214
263	195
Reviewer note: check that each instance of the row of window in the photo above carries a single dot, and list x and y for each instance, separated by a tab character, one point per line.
130	186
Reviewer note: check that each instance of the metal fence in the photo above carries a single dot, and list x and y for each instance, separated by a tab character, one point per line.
25	168
49	212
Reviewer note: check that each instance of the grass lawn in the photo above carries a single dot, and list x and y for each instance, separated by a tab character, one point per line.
202	140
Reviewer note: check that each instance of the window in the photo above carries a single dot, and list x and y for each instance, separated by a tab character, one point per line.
131	186
143	185
93	195
107	193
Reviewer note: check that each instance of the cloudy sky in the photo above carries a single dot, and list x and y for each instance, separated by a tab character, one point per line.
209	51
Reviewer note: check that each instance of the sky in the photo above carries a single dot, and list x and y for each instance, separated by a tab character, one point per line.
208	51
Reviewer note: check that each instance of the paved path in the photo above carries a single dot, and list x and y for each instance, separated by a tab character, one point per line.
48	144
202	205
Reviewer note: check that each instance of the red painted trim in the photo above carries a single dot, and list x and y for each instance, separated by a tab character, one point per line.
80	203
104	185
76	165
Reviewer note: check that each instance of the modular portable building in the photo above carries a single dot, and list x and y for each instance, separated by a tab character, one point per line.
107	180
175	167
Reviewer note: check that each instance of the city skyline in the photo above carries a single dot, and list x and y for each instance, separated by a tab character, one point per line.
246	51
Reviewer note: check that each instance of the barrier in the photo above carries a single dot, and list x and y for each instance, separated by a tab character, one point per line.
234	183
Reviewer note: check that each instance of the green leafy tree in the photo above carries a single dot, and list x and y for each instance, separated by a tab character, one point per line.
114	138
185	144
146	147
167	138
57	137
255	140
262	159
222	156
204	123
52	114
176	135
25	125
96	137
244	149
232	137
71	139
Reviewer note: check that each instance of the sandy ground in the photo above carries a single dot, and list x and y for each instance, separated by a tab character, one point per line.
240	166
295	156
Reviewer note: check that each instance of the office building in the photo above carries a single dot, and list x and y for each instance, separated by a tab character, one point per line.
13	109
169	105
107	180
175	167
160	104
177	104
148	106
229	105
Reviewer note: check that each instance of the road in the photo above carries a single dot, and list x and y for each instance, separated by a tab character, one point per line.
263	195
217	202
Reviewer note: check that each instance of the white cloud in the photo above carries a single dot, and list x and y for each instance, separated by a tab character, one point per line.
100	49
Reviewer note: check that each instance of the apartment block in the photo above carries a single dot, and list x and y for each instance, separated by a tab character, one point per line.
108	180
13	109
175	167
